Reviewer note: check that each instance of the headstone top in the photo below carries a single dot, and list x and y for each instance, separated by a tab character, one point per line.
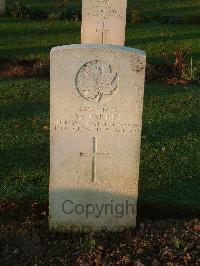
97	46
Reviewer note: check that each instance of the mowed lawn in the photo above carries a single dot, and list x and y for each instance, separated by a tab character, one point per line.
170	154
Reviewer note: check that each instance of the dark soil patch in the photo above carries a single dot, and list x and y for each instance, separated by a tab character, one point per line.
24	68
41	69
26	240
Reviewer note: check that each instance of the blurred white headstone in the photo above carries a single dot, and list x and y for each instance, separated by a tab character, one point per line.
2	7
103	21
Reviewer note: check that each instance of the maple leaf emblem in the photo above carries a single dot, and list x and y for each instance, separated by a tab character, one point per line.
97	81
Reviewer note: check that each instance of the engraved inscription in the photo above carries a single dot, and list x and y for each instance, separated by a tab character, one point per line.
96	121
102	1
106	9
97	81
94	154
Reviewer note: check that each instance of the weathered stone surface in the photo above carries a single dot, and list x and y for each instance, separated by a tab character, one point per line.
2	6
103	21
96	113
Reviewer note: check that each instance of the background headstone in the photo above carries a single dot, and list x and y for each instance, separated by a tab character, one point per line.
103	21
2	7
96	120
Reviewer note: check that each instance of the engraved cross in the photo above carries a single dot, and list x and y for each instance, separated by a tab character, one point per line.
94	154
103	32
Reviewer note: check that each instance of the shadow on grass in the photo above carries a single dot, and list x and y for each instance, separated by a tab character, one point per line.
159	60
27	51
166	130
25	158
173	37
24	110
163	90
150	210
52	29
168	11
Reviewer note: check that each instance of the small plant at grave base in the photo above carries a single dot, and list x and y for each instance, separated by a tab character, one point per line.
134	17
180	62
192	72
60	4
19	11
151	72
41	68
181	69
176	242
87	244
70	14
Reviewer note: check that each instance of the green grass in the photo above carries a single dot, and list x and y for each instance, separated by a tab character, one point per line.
45	5
170	155
170	159
166	8
27	39
24	144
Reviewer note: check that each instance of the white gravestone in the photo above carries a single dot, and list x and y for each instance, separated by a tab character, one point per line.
96	120
103	21
2	7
